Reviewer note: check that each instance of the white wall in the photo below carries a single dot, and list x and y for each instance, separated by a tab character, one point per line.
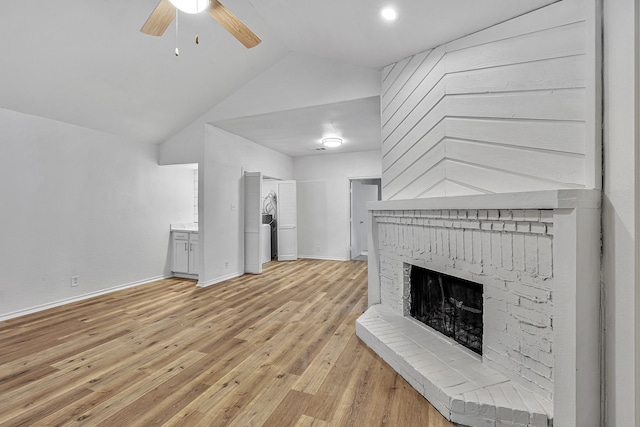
77	202
221	225
324	201
619	211
504	109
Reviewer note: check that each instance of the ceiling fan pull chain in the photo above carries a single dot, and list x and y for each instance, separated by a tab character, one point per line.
177	50
198	22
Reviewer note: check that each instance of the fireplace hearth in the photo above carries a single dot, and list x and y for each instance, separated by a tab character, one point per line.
450	305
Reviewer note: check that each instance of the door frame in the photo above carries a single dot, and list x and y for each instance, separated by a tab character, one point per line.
350	216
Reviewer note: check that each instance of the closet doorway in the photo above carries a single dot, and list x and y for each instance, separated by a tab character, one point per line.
363	190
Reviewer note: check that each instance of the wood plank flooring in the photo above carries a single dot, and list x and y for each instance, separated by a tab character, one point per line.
277	349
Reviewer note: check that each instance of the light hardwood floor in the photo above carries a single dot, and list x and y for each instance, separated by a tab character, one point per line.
277	349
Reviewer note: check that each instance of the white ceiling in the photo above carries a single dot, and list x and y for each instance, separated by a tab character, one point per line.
298	132
86	63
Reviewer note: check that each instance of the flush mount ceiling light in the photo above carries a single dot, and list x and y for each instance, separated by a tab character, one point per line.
190	6
389	14
332	142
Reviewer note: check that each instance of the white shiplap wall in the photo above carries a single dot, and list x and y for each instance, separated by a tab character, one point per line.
510	108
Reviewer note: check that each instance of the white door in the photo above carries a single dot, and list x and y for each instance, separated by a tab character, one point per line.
252	222
287	221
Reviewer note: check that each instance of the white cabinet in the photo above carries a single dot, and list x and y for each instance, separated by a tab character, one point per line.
184	257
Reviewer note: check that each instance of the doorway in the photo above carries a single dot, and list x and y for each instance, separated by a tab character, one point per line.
363	190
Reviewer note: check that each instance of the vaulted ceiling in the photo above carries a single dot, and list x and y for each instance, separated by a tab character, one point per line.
86	62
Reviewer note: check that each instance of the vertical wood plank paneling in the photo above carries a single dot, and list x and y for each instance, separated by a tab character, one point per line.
508	108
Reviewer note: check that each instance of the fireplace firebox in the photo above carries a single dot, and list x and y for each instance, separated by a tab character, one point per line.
450	305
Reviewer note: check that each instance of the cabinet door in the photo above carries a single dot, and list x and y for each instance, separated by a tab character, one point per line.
180	260
193	258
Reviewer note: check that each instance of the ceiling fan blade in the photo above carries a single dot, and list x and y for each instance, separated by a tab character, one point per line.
232	24
159	19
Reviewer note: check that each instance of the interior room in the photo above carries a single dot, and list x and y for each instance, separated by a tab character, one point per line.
220	151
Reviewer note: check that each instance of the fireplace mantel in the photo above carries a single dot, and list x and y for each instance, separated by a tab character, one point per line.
547	199
566	225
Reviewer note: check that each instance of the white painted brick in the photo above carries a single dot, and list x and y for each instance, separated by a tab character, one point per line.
546	215
507	251
486	248
531	215
451	236
530	351
518	215
506	215
466	270
544	334
472	214
545	256
445	242
529	316
535	280
483	214
501	273
493	282
491	304
477	247
518	252
531	254
539	383
460	246
496	249
510	226
531	292
538	228
468	245
523	227
539	368
493	214
473	225
546	358
502	294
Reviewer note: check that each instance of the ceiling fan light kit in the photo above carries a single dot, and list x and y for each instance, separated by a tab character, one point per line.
190	6
165	12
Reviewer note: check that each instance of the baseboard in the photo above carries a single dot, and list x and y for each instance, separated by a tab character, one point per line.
202	284
324	258
83	297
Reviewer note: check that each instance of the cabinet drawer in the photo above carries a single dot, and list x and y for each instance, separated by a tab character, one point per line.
179	235
193	237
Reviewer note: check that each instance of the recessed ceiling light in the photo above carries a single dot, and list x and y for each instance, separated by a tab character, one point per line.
389	14
332	142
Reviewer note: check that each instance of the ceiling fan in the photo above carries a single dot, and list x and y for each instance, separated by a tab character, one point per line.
165	12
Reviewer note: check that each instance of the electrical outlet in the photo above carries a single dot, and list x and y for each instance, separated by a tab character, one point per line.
75	281
226	264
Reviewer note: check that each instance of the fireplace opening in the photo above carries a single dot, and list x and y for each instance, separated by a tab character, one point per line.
450	305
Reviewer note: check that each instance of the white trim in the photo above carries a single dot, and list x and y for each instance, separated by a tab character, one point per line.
185	276
220	279
637	212
548	199
78	298
323	258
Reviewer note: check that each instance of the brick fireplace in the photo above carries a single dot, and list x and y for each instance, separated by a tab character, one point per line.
536	256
